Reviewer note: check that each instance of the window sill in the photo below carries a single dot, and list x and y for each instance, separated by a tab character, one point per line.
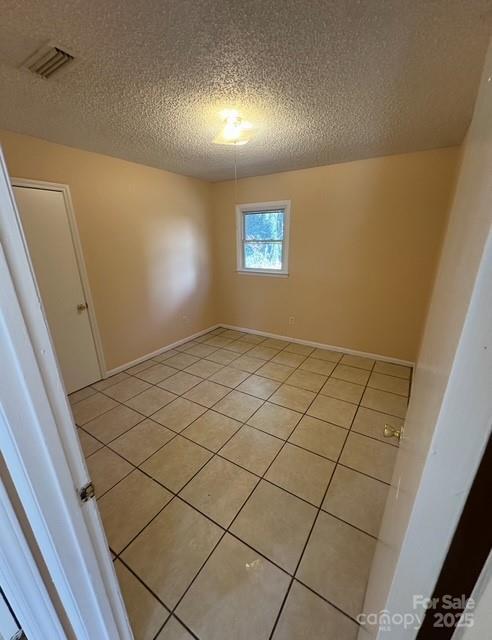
251	272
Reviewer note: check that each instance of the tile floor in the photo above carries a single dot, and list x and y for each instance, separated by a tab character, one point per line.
241	481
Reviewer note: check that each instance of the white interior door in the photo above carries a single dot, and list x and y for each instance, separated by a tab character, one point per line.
448	420
49	239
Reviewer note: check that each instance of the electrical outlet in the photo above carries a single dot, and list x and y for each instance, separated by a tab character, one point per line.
292	320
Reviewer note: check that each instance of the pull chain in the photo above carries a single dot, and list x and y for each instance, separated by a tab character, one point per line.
235	174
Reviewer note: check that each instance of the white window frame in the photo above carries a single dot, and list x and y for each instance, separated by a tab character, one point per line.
241	210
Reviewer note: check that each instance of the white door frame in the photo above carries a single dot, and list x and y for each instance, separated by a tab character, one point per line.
42	452
64	189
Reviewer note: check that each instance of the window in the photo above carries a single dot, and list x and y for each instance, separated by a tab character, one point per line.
263	237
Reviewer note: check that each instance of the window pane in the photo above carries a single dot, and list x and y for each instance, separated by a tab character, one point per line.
263	255
264	225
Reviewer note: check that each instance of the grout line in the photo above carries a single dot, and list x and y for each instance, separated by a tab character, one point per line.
312	528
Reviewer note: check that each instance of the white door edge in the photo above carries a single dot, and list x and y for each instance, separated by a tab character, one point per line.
43	453
64	189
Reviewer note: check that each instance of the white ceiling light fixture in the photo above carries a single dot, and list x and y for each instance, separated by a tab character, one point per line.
236	131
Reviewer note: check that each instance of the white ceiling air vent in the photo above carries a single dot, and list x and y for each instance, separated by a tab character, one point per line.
47	60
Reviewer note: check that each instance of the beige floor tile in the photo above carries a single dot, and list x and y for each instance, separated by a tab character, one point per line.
385	402
389	383
126	389
218	341
301	349
343	390
88	443
91	407
137	368
176	463
253	338
233	334
229	377
212	430
183	347
262	352
371	423
314	365
319	437
306	616
276	420
109	382
357	499
129	506
106	468
369	456
204	368
239	347
157	373
275	371
113	423
181	539
150	400
326	354
247	363
303	473
215	332
139	443
289	359
181	361
249	588
306	380
222	356
259	386
163	357
293	397
178	414
336	563
145	612
251	449
207	393
333	410
391	369
201	350
219	490
239	406
276	524
82	394
275	343
350	374
357	361
174	630
180	382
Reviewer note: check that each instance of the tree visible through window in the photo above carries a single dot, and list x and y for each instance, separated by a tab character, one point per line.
263	239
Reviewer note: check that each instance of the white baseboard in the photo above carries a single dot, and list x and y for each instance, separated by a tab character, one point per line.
321	345
127	365
309	343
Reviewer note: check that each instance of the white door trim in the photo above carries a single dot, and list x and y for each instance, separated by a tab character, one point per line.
21	580
64	189
42	451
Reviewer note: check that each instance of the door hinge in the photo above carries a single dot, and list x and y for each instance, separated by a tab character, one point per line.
87	492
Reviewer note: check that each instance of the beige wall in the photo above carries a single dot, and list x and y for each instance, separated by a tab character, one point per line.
146	239
365	239
161	256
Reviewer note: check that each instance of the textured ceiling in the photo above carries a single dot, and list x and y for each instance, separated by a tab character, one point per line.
323	81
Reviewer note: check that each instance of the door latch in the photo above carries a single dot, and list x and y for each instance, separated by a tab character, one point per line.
87	492
82	307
